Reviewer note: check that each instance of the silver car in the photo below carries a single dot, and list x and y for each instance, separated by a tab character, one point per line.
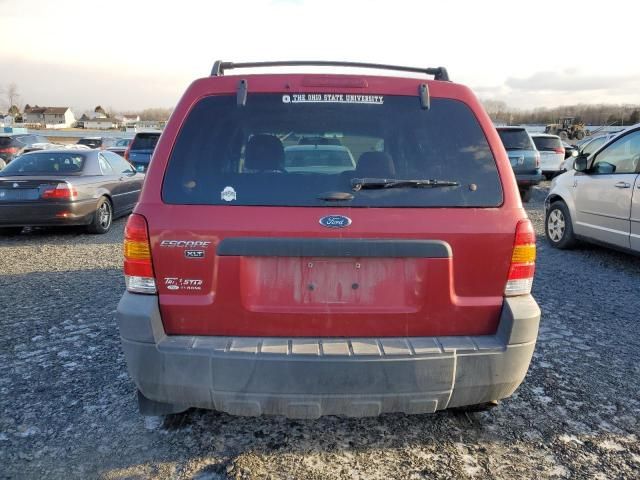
599	201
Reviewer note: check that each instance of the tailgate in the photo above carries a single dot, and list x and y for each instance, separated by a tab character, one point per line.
305	280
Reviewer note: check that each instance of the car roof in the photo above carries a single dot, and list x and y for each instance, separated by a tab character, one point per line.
546	135
64	150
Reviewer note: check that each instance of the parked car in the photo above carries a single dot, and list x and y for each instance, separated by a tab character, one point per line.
596	201
524	158
97	142
141	149
552	154
67	187
323	158
12	145
400	286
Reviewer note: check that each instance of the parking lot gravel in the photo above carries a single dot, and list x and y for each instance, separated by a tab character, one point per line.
68	409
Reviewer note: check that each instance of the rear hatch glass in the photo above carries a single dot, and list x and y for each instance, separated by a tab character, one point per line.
276	151
145	141
547	144
515	139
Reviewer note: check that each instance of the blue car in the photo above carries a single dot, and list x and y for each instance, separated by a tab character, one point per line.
141	148
524	158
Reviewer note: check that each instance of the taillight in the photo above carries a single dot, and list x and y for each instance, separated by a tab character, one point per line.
537	159
11	150
62	191
138	269
126	152
523	261
559	150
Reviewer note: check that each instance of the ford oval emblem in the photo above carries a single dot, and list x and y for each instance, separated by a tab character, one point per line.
335	221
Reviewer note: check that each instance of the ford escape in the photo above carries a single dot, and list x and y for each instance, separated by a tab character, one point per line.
396	282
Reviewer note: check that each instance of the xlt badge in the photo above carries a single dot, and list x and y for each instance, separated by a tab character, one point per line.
194	253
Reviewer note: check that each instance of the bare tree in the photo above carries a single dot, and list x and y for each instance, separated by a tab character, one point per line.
11	95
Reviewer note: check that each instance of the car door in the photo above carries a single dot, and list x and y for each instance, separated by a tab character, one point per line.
604	193
113	183
634	239
130	181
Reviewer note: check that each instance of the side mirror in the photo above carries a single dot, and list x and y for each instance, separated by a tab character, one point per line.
580	164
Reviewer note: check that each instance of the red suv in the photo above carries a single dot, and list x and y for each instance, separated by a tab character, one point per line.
397	283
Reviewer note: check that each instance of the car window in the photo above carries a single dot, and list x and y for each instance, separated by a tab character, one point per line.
90	142
515	139
622	156
226	155
119	164
105	167
5	141
46	163
145	141
41	139
547	144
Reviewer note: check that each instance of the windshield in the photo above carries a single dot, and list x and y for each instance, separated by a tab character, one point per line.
593	145
145	141
44	163
259	154
515	139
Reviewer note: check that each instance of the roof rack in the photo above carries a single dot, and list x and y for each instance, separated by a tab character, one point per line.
439	73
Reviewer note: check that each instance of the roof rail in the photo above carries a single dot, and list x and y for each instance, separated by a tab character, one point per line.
439	73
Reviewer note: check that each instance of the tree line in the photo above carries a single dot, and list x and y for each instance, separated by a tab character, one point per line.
597	114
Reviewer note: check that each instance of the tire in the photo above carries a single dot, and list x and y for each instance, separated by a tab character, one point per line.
10	231
525	194
549	176
563	135
558	227
102	218
579	134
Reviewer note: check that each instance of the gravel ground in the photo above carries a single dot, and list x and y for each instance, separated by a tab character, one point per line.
67	406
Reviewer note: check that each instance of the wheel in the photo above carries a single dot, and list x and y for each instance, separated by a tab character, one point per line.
563	135
557	226
525	194
579	134
10	231
102	218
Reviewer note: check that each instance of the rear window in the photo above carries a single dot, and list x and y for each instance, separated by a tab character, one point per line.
515	139
43	163
5	141
262	153
145	141
90	142
547	144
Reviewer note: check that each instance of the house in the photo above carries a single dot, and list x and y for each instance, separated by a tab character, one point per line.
100	123
49	117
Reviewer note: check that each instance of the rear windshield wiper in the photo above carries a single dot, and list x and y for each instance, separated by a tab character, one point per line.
364	183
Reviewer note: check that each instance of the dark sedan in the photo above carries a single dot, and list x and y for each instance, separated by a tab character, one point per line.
67	187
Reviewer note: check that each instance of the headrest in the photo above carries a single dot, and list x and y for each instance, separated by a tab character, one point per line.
264	153
375	165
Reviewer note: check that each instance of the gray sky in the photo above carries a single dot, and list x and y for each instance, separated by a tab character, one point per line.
136	54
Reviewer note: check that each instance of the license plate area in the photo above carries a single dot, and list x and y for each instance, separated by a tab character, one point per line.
315	284
17	194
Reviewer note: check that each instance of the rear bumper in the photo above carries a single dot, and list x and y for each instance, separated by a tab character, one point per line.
311	377
529	179
47	213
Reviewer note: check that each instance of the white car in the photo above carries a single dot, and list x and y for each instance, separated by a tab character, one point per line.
551	153
328	159
599	200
